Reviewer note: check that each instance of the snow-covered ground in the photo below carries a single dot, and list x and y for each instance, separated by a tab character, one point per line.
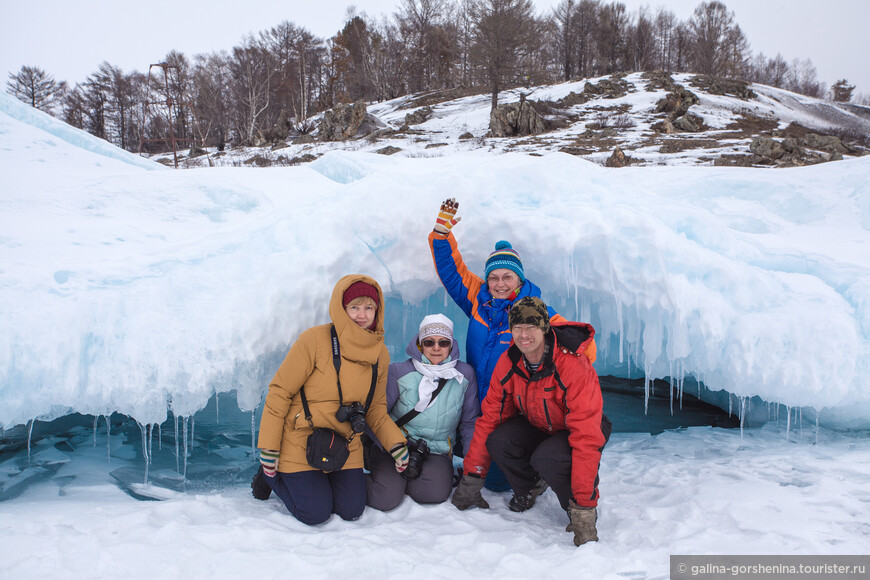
697	491
126	287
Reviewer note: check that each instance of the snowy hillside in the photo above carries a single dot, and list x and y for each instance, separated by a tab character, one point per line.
591	118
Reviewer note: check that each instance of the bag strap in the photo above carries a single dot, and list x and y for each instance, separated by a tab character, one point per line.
336	361
414	412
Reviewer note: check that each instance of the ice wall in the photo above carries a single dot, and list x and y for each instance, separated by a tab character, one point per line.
136	291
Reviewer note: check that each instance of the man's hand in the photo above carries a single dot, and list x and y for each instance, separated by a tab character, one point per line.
582	523
467	493
447	216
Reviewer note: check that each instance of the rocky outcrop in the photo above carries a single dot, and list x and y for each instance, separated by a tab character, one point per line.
516	119
793	151
388	150
677	102
344	122
617	159
419	116
689	123
611	88
722	86
767	148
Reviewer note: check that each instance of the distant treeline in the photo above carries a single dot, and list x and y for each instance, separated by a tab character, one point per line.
283	75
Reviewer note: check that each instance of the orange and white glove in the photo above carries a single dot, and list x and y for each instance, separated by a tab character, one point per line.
447	216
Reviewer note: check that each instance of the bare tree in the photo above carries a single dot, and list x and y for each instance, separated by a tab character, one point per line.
463	26
37	88
642	44
251	71
424	25
802	78
505	32
768	71
719	47
610	38
211	94
665	32
563	18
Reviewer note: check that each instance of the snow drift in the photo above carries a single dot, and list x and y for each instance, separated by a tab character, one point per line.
132	289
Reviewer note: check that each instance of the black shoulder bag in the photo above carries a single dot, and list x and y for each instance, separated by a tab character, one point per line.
325	449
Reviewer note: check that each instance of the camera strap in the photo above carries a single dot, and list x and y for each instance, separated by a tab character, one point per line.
336	361
414	412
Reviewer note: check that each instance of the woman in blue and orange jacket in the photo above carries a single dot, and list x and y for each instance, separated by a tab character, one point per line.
486	301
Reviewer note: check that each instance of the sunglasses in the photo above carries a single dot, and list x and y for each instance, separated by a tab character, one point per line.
429	343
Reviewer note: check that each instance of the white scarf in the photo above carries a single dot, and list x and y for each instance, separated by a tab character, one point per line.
431	374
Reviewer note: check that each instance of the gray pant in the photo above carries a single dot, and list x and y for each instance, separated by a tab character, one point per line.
385	487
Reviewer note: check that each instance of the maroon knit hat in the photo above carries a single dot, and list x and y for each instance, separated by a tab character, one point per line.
358	290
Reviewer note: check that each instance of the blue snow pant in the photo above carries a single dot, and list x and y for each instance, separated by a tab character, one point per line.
312	496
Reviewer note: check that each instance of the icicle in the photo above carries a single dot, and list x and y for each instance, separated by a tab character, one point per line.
145	455
730	405
787	421
217	409
159	437
645	394
800	419
177	459
184	430
253	437
29	436
96	418
192	428
742	414
108	439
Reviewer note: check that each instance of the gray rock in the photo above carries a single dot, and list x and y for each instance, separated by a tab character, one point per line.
344	122
827	143
617	159
516	119
689	123
767	148
418	116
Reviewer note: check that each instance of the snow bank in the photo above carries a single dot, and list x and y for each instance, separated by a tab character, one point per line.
129	290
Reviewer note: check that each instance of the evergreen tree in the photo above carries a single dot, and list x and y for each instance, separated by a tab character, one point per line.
37	88
841	91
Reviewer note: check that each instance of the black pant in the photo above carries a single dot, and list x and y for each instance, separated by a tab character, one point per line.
525	453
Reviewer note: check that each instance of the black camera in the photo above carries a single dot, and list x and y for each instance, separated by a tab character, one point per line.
418	451
355	414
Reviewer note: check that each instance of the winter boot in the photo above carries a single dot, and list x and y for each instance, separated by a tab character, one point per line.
583	521
520	503
259	487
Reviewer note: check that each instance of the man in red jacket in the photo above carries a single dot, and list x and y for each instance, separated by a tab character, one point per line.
542	420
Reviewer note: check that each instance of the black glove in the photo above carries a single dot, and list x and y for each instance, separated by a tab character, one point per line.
467	493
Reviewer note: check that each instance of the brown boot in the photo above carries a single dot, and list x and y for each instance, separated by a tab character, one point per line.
582	523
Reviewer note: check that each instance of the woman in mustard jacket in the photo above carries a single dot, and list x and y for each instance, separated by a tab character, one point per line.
311	494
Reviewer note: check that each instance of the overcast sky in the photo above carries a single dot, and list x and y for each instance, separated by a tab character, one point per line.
70	38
